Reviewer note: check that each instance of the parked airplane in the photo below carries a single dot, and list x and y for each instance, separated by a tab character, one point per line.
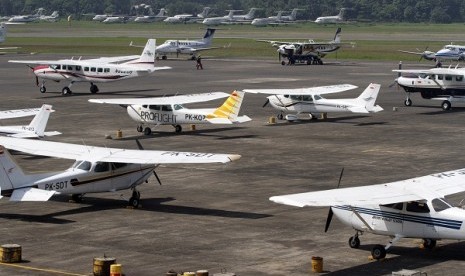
279	19
331	19
412	208
152	18
310	101
448	52
114	19
97	169
310	52
188	18
36	129
443	84
170	110
50	18
189	47
231	18
100	70
27	18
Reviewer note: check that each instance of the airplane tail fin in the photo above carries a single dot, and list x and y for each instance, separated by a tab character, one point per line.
208	37
204	13
162	12
148	54
228	112
337	36
293	14
368	98
37	126
13	181
341	14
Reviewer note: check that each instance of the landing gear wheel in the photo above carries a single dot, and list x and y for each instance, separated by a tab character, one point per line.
93	89
140	129
42	89
177	128
283	63
163	57
429	243
66	91
77	198
147	131
354	242
408	102
135	199
320	62
445	105
280	116
378	252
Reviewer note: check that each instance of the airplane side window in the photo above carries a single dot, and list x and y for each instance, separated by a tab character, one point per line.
85	165
166	108
86	69
70	67
154	107
92	69
448	77
78	68
316	97
106	70
397	206
440	77
295	97
440	204
116	166
286	96
102	167
100	70
144	106
307	98
459	78
417	207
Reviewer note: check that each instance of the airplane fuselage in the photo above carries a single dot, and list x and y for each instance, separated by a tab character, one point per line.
168	114
435	86
416	222
180	47
308	104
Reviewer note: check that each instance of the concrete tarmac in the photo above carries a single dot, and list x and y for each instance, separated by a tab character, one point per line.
218	217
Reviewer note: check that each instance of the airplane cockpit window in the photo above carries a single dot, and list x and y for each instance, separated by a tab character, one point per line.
440	204
82	165
172	43
178	107
417	207
116	166
317	97
55	67
102	167
296	97
154	107
459	78
397	206
307	98
166	108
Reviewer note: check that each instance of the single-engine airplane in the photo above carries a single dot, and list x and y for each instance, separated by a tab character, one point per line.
309	100
97	169
442	84
412	208
170	110
36	129
100	70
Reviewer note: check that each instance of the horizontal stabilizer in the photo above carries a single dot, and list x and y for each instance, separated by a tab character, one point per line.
24	135
376	109
242	119
358	109
31	194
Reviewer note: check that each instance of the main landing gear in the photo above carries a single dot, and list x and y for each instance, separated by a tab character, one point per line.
177	128
66	91
379	251
134	200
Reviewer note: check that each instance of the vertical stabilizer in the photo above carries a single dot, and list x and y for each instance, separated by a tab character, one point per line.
368	98
148	54
228	112
11	175
293	15
337	36
39	123
208	37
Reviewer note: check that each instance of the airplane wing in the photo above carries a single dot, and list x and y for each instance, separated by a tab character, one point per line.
17	113
120	59
46	62
275	43
181	99
448	71
104	154
420	188
317	90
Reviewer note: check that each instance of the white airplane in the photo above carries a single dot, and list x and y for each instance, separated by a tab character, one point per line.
279	19
310	100
50	18
36	129
412	208
188	18
27	18
331	19
442	84
310	52
170	110
231	18
100	70
114	19
152	18
188	47
448	52
3	32
100	17
96	170
18	113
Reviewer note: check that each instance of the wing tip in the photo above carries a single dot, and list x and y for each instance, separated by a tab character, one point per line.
234	157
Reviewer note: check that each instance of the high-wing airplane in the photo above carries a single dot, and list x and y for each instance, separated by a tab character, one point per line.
448	52
231	18
310	52
442	84
100	70
331	19
36	129
97	169
412	208
310	100
188	18
170	110
188	47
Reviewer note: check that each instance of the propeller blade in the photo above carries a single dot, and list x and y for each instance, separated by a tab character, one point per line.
340	178
139	145
37	81
156	176
328	219
266	103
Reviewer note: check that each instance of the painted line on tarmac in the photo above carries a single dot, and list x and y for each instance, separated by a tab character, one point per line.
42	269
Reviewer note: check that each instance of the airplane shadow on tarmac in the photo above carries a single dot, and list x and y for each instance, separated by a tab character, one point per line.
341	120
212	132
93	204
408	258
130	93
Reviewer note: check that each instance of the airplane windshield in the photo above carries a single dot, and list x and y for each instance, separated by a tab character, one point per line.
440	204
82	165
178	107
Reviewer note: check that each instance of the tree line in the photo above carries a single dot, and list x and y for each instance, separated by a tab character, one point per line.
434	11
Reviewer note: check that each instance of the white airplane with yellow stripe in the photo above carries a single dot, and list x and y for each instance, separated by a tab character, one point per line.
96	170
170	110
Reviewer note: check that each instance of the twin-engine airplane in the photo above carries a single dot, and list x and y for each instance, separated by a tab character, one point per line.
100	70
448	52
170	110
310	101
413	208
442	84
97	169
36	129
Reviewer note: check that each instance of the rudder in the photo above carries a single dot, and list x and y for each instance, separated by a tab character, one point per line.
231	107
11	175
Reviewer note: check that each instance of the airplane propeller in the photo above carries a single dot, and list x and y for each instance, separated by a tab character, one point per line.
266	103
330	213
139	145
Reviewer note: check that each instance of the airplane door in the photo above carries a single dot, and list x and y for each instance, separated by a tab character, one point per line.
418	220
388	219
